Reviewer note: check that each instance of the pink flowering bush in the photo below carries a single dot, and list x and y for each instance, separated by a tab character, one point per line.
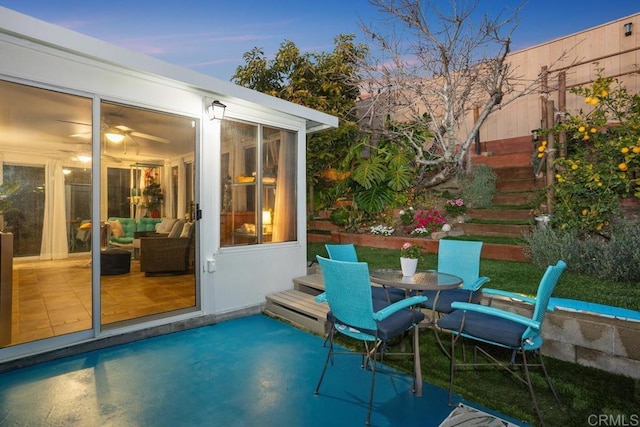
430	220
455	207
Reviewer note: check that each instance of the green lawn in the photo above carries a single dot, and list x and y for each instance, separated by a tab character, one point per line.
585	393
513	276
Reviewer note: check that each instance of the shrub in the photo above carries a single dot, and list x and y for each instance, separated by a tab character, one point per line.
615	258
478	186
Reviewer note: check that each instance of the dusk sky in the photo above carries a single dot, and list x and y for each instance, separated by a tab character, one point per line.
211	36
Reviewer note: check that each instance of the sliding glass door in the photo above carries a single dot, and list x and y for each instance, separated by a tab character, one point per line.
140	240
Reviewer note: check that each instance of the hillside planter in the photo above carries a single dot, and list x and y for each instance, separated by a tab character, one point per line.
489	250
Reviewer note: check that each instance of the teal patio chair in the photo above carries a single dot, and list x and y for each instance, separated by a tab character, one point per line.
460	258
354	313
490	327
347	252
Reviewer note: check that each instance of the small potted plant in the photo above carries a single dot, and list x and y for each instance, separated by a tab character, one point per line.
409	258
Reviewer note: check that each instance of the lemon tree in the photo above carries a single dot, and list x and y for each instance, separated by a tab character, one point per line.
603	157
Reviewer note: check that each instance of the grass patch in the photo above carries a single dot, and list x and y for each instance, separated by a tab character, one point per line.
491	239
583	391
521	277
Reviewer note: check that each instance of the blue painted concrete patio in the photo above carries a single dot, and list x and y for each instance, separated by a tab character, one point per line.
252	371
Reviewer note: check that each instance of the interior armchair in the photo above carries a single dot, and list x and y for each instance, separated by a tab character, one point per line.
170	255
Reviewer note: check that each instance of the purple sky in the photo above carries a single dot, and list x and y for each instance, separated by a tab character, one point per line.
211	36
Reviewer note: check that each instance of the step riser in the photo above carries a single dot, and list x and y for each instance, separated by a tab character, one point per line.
495	230
518	185
515	199
510	173
500	214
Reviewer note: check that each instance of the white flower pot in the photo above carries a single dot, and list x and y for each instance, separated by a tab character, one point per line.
409	266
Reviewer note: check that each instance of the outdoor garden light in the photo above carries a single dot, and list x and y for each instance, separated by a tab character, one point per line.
216	110
534	134
627	28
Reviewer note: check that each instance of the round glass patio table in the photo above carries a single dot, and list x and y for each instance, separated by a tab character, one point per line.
426	280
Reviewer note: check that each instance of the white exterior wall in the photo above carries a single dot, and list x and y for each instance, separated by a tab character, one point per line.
239	277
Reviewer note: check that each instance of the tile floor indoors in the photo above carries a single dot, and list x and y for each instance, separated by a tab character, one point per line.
54	297
250	371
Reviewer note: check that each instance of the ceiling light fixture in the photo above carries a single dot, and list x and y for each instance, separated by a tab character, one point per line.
84	159
114	137
216	110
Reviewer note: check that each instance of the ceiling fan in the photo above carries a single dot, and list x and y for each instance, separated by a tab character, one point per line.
118	133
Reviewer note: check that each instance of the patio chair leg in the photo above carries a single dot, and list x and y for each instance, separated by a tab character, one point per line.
546	376
525	365
452	365
326	362
373	382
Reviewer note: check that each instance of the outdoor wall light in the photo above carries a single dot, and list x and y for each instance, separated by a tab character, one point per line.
114	137
628	27
216	110
534	134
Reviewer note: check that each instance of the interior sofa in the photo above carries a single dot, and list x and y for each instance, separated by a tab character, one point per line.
123	230
168	254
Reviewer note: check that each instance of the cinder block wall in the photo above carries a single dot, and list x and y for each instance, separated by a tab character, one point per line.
587	339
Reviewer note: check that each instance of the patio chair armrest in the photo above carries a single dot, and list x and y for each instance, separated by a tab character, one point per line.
507	294
492	311
480	281
321	298
397	306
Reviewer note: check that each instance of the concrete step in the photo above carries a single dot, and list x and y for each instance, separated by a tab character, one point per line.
495	230
500	214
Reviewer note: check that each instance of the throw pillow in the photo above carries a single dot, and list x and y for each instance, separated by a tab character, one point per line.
186	230
116	228
166	225
176	230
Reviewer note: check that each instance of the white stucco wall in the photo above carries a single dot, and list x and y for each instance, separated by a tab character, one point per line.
242	276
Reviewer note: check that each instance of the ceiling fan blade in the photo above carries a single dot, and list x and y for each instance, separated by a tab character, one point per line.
74	123
150	137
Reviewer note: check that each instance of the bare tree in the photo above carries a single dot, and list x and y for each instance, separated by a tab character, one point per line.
430	68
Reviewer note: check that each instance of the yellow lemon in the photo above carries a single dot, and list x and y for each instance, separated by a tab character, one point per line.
586	136
599	226
541	148
558	176
636	150
587	100
624	150
584	212
544	143
604	93
540	155
574	166
599	184
622	166
594	130
594	101
581	129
